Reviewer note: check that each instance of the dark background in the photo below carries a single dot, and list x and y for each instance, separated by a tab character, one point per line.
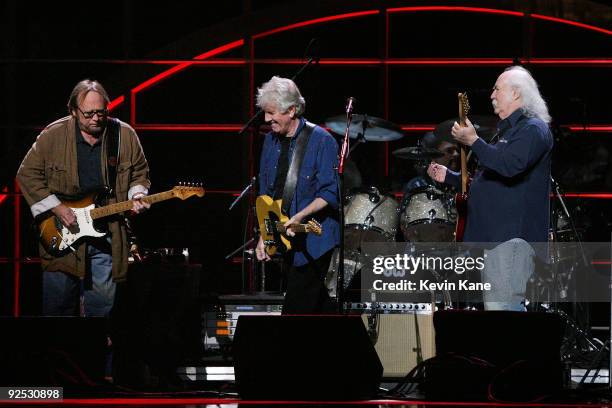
47	47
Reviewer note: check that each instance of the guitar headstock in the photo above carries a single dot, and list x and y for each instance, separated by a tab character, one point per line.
314	227
186	190
464	107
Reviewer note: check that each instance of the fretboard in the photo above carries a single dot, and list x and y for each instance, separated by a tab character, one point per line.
295	227
127	205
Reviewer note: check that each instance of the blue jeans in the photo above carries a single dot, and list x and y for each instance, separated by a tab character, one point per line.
507	267
63	292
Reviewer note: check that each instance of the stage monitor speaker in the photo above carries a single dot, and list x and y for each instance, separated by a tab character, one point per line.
305	358
397	344
501	355
52	351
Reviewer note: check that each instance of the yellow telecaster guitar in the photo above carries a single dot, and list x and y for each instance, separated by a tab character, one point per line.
271	225
58	239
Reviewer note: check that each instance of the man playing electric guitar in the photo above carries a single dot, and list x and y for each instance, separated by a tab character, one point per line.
72	157
508	206
297	165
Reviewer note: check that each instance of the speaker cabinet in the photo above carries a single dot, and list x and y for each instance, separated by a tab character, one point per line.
52	351
513	356
402	340
305	358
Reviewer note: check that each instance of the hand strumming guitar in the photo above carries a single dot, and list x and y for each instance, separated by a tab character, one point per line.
65	214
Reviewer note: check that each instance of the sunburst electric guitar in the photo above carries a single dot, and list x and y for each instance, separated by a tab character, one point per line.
58	239
271	225
462	196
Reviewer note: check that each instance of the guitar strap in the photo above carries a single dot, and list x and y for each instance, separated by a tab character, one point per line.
296	164
112	151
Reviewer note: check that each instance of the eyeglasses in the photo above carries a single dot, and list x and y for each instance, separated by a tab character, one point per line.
90	114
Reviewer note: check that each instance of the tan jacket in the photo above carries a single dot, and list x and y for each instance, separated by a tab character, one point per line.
50	169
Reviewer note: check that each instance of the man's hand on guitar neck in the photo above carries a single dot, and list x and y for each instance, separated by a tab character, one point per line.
465	135
139	205
317	205
65	214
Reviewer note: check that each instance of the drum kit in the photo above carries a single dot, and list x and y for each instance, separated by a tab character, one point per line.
425	214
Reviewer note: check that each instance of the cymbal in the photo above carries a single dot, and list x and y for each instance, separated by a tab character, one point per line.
376	129
417	153
486	127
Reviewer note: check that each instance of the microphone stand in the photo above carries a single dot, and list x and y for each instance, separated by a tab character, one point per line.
343	155
559	196
310	60
246	189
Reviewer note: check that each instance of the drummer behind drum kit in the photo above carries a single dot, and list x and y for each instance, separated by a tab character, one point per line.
426	214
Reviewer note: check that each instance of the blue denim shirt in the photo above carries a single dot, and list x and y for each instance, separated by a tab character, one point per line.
509	194
317	178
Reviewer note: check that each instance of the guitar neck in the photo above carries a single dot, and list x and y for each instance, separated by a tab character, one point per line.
464	173
127	205
295	227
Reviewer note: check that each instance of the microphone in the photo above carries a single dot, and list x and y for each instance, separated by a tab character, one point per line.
349	105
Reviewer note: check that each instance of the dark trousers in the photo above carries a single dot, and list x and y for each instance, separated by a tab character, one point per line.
306	291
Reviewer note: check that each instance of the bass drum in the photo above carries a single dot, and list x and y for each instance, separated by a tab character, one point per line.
428	215
369	217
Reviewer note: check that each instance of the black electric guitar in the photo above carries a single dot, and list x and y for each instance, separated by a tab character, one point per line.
272	225
58	239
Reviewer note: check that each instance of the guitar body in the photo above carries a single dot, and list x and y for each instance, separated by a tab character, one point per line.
461	204
58	239
269	211
271	222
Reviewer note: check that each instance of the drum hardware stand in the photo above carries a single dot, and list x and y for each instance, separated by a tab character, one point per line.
360	136
373	324
344	152
448	303
577	333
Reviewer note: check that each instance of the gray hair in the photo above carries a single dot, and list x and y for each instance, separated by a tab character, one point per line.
533	105
283	93
83	88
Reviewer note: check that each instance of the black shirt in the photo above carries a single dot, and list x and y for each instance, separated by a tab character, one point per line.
89	160
282	167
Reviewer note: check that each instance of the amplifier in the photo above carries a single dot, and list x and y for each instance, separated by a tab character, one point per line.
403	333
219	321
386	307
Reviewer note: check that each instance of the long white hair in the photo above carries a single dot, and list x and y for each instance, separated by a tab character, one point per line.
533	105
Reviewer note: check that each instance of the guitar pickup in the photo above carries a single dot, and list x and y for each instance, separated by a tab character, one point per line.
270	226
